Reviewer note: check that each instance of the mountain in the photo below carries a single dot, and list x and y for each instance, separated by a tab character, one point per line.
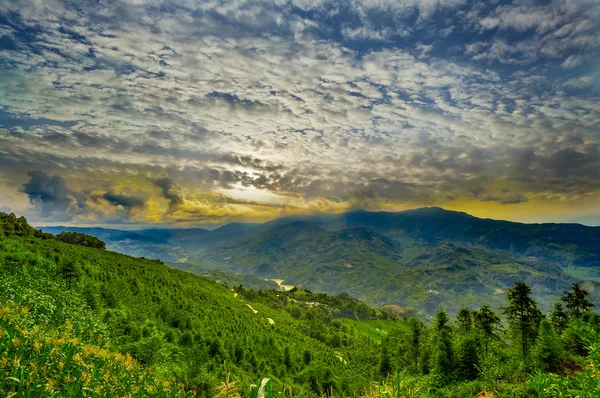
233	228
378	270
417	259
562	244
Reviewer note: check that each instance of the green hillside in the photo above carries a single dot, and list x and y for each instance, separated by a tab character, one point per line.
78	320
184	326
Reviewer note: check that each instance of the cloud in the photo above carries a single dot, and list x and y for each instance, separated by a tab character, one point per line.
579	82
320	104
50	195
125	201
168	190
572	61
505	197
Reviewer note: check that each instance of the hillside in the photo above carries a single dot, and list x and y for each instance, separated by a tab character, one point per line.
186	327
78	320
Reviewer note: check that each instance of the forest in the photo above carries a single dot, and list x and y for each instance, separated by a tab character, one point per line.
79	320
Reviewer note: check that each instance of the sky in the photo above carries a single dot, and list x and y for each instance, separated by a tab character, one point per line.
186	112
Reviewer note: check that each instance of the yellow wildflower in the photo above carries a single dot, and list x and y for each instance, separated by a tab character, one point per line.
50	385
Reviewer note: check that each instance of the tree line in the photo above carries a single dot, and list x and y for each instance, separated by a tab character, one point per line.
527	341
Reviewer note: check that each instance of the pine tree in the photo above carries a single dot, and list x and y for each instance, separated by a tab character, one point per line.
464	321
559	318
287	359
307	357
385	364
488	324
442	356
414	350
441	321
576	302
70	272
548	351
468	357
522	314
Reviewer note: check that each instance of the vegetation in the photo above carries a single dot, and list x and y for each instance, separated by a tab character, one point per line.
82	321
77	238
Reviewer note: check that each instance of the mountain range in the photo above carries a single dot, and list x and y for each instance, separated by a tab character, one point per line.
419	259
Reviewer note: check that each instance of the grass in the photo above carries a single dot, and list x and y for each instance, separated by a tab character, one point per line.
375	329
50	347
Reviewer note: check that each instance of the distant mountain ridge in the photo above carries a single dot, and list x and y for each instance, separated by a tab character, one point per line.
417	259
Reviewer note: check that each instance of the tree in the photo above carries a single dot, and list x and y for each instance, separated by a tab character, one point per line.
287	358
468	357
559	318
70	272
307	357
576	302
414	350
441	321
385	364
442	357
488	324
77	238
548	351
523	315
464	321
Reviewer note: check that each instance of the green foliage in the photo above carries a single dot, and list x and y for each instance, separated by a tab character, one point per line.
464	321
185	326
576	301
70	272
415	338
468	354
487	324
78	321
584	383
559	318
523	315
442	357
385	363
548	352
78	238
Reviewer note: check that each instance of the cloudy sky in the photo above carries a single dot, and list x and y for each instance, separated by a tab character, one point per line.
188	112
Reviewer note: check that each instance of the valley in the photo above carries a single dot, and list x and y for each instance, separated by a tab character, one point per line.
419	259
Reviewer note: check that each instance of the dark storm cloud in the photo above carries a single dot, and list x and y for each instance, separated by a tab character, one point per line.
167	187
505	196
50	195
125	201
